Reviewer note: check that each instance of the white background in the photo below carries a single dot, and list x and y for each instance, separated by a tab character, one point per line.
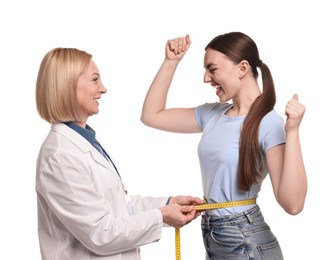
127	40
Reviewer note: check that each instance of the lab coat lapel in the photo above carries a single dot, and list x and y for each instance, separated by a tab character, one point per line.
84	146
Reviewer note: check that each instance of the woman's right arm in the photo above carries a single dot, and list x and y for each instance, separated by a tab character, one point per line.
154	111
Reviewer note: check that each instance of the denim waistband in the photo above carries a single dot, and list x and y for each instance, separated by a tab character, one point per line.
245	215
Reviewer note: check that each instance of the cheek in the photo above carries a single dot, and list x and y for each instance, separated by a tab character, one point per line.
220	78
80	98
227	78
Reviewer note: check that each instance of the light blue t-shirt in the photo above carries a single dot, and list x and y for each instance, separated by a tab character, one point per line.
218	153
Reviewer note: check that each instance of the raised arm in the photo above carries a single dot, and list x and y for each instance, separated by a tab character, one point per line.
154	111
286	165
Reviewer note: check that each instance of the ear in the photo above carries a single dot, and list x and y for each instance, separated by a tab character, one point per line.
243	68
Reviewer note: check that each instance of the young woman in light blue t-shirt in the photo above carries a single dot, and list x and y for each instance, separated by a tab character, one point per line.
243	140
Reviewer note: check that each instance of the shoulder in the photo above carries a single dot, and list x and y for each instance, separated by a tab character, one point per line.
272	118
272	131
62	138
205	112
216	106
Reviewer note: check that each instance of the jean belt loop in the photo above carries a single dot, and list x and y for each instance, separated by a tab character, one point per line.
248	216
208	221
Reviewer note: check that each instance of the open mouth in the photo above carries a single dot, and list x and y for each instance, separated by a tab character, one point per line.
218	89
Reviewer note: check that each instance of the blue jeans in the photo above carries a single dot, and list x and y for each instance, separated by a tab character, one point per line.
241	236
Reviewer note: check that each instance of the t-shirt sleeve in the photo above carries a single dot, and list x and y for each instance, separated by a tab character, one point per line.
199	115
272	131
204	112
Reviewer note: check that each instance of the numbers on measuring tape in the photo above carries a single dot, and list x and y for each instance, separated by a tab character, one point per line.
225	204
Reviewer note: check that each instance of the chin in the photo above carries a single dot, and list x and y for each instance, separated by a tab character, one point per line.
93	113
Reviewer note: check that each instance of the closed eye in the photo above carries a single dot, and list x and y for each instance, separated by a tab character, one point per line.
211	68
96	79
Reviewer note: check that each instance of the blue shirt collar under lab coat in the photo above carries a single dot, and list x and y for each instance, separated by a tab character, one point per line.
88	133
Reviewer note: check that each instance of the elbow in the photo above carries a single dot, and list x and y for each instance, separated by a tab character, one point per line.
293	203
294	207
104	248
148	120
145	120
293	210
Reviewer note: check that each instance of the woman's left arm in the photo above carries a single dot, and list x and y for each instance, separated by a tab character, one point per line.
286	165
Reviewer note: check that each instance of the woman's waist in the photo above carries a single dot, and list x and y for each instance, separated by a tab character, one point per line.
228	211
221	216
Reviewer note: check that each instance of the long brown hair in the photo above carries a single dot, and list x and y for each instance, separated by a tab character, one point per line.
238	46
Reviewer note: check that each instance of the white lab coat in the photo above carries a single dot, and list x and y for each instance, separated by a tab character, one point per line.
83	211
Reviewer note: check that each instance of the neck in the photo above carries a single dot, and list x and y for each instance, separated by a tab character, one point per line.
81	123
244	100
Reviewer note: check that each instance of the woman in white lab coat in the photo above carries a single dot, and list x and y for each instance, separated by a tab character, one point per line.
84	211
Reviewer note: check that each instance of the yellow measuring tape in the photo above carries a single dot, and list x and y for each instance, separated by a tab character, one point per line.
209	206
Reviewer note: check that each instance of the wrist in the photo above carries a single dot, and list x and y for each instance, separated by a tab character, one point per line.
171	63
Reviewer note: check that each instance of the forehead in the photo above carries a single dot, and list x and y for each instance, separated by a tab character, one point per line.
92	68
214	57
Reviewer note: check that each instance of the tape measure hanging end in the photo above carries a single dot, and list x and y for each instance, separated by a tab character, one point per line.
177	244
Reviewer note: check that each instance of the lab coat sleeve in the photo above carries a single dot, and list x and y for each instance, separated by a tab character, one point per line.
141	204
101	225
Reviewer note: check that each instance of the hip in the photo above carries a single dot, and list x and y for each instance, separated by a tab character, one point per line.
244	235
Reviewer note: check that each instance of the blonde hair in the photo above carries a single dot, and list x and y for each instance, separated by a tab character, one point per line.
56	87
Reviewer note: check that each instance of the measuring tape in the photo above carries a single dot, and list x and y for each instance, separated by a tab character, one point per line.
208	206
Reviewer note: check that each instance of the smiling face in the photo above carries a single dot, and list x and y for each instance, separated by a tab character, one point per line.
222	74
89	91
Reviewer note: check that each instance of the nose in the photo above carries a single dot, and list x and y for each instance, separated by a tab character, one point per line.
102	89
207	77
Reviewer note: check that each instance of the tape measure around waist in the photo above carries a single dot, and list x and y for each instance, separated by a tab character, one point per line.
209	206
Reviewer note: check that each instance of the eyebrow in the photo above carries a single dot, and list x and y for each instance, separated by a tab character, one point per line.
209	65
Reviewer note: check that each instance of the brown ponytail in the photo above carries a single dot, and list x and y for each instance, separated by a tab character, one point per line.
250	164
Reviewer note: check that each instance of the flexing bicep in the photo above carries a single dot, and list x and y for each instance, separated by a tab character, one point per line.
179	120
